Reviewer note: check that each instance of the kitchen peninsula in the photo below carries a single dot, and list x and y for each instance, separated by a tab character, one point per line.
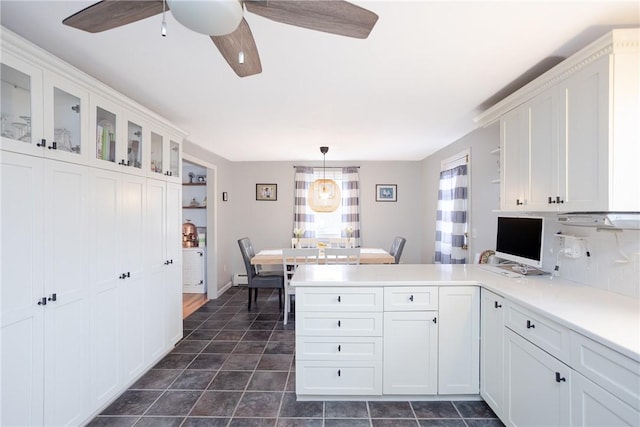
429	332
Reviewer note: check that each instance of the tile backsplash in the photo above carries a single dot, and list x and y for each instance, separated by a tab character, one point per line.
613	263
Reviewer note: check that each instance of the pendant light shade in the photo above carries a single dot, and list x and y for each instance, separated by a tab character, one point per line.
213	18
324	193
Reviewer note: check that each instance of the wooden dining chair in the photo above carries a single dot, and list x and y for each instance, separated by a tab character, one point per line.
257	280
291	259
306	242
340	242
342	256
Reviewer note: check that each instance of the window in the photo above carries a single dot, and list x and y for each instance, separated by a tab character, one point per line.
328	224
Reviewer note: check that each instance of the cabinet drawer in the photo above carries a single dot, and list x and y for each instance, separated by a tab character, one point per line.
543	332
338	324
339	348
338	299
609	369
411	298
342	378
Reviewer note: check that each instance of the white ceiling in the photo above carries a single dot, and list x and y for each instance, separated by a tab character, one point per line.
411	88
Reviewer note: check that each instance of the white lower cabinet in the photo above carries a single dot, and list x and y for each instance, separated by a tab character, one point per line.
593	406
117	281
193	270
410	352
459	348
492	350
163	317
388	340
537	385
45	292
339	341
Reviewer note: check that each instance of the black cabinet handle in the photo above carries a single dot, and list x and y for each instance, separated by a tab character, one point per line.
42	143
518	202
339	324
169	261
125	275
53	146
339	347
411	298
53	298
42	301
339	372
551	201
339	299
560	379
530	325
435	320
496	305
559	200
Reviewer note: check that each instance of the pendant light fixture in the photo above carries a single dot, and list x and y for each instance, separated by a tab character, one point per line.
324	193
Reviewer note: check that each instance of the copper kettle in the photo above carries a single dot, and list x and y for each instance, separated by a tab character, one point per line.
189	235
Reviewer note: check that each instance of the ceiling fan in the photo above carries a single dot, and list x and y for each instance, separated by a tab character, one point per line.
223	21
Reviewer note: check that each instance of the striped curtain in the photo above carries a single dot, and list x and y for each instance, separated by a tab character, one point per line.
351	203
451	220
303	215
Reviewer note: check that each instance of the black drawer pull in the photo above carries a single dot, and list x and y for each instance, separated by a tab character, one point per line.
435	320
339	347
560	379
53	297
339	298
530	325
42	301
339	323
339	372
496	305
411	298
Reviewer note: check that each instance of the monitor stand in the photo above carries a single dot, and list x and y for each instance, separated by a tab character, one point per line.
525	270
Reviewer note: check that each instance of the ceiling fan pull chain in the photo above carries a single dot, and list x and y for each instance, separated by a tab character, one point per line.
163	28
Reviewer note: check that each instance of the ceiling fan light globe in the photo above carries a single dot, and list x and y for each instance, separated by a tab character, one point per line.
210	17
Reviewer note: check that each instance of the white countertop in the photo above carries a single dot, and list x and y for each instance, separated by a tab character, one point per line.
612	319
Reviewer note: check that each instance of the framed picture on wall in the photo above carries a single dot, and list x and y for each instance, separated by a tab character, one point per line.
386	193
267	192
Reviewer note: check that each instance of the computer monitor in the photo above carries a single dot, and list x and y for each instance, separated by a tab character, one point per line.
520	239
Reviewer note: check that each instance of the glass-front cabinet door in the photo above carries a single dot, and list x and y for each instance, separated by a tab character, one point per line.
106	119
135	146
156	155
175	161
66	120
21	106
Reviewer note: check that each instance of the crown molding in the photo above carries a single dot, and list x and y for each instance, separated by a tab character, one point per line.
619	41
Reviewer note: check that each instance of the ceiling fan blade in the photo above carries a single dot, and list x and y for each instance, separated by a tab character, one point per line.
109	14
231	45
330	16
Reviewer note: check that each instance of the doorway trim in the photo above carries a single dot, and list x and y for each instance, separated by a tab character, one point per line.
212	221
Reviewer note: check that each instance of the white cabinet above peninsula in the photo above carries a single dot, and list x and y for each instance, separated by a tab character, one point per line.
569	139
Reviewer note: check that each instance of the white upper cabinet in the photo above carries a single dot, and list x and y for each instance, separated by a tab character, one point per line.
21	106
514	161
66	119
165	157
570	138
43	114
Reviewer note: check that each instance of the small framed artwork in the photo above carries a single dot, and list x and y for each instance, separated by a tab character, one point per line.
386	193
225	196
267	192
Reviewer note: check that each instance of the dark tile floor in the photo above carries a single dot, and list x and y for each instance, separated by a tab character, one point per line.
236	368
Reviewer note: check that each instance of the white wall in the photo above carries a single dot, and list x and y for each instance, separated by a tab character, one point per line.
269	224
